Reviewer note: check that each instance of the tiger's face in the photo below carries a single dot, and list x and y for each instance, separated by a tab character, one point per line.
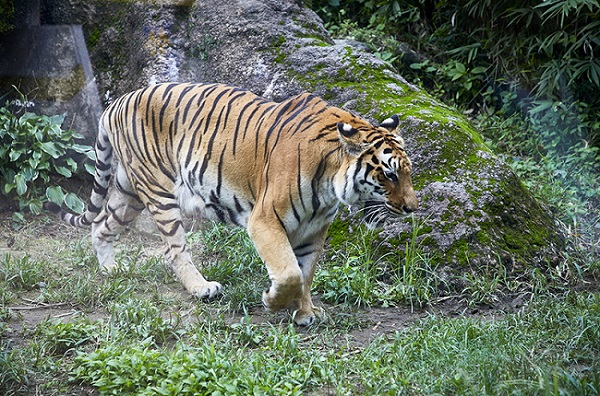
379	171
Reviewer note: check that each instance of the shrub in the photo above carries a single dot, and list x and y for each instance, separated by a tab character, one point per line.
32	149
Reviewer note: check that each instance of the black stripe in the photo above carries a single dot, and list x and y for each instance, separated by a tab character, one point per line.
299	179
150	94
279	218
173	229
294	211
220	169
238	205
168	88
184	91
316	203
239	120
220	214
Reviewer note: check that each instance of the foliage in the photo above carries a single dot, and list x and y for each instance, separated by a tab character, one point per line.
20	273
142	319
62	337
7	10
549	150
32	149
542	46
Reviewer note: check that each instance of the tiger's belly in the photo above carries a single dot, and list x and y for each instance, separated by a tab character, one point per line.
214	201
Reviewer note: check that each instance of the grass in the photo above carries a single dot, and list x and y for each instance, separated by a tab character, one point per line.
136	333
361	274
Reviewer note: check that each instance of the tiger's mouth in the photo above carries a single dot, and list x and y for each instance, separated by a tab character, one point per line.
404	209
376	212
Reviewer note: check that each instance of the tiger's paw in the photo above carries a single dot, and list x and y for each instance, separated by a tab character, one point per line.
276	300
109	268
273	302
307	317
207	291
282	294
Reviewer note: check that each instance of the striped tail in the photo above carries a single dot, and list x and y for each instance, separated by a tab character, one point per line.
104	154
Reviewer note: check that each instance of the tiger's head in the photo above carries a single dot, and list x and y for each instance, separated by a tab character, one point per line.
378	171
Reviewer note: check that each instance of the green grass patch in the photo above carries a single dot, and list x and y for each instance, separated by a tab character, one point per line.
137	333
549	347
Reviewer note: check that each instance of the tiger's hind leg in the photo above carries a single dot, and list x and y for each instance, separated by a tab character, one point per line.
122	208
168	218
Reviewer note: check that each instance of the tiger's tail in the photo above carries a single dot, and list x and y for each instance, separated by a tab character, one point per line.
102	176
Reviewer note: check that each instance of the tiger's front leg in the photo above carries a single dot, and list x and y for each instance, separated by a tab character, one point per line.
308	254
273	246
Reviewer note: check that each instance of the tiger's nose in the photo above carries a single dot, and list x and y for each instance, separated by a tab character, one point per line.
410	205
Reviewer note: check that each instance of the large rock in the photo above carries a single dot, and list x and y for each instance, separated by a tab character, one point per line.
474	210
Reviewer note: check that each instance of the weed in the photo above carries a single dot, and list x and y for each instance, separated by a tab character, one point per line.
61	338
21	273
14	374
143	320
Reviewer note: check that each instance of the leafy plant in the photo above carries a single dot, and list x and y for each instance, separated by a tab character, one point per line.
62	337
20	273
142	319
32	149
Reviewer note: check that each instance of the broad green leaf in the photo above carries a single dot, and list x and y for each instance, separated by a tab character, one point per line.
74	203
55	194
91	169
35	206
18	217
56	119
21	184
8	187
50	148
80	148
71	162
14	155
30	174
63	171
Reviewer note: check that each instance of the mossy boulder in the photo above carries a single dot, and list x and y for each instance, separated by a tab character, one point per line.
474	210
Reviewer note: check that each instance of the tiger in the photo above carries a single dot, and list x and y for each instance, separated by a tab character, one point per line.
280	170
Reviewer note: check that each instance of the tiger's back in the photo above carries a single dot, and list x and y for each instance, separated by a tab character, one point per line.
219	147
278	169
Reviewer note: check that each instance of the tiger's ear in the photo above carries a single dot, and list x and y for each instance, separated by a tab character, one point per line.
350	138
391	124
